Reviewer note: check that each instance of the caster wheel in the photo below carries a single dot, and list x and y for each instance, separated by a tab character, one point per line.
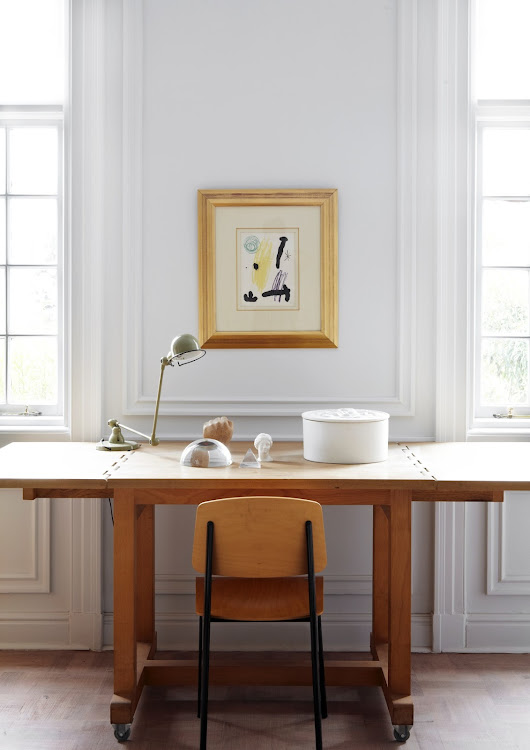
401	732
122	732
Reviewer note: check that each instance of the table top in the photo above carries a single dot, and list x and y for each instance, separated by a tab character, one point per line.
55	464
159	466
423	467
493	465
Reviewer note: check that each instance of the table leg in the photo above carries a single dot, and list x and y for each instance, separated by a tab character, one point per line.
400	593
399	605
145	574
380	575
125	681
391	605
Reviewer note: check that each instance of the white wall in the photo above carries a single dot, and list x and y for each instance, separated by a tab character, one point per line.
239	94
352	94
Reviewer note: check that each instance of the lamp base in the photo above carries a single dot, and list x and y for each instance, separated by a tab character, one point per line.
127	445
116	441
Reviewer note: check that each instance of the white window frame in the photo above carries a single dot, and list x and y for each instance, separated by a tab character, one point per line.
52	419
499	114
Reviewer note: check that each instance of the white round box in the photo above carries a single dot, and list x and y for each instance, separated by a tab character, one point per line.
345	436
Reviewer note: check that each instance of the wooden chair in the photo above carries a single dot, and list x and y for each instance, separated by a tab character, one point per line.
264	553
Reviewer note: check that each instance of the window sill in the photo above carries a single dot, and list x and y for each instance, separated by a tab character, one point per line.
34	432
502	429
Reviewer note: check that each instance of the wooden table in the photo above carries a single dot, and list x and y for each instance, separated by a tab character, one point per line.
152	476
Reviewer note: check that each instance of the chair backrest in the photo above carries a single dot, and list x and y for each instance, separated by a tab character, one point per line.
259	537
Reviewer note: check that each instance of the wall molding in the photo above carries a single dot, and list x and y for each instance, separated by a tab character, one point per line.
450	78
90	70
87	211
452	230
132	205
270	407
449	558
29	630
498	633
499	582
36	580
86	620
407	157
136	401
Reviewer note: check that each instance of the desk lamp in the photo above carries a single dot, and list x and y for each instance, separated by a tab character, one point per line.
184	349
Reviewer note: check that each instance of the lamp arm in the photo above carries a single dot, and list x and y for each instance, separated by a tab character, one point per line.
136	432
163	364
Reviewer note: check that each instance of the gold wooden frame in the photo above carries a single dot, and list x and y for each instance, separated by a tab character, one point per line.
327	335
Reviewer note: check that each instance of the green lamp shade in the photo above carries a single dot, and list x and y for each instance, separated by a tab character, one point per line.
185	348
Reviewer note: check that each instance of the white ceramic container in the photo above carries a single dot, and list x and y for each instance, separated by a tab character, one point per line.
345	436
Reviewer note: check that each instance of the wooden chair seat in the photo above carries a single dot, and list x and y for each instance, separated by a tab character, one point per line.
259	599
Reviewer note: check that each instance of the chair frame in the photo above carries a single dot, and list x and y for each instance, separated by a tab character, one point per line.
317	657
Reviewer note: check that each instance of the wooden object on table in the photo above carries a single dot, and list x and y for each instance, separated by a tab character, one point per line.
219	428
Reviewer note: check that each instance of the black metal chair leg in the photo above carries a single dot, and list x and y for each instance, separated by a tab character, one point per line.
323	696
206	635
204	682
199	675
316	687
314	636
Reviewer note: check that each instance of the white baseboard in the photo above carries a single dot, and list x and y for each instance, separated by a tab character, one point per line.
482	633
503	633
86	630
34	630
449	632
55	630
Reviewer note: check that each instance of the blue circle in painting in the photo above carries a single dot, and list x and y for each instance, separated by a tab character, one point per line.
251	243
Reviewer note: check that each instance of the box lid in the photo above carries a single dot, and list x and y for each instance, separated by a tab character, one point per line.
345	415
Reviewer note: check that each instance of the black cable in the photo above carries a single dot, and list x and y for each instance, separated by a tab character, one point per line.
111	512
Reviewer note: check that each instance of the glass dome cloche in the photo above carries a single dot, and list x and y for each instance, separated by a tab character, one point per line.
206	453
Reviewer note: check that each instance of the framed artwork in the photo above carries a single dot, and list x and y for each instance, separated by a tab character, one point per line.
268	268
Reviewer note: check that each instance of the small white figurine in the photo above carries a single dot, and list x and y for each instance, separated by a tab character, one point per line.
263	444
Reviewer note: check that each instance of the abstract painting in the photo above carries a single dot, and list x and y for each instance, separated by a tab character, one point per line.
267	269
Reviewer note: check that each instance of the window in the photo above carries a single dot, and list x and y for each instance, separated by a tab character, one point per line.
501	118
32	86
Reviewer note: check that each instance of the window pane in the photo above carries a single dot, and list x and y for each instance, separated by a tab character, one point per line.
32	370
505	302
2	230
32	230
3	301
2	161
506	161
2	370
33	156
31	51
503	52
504	371
505	233
32	300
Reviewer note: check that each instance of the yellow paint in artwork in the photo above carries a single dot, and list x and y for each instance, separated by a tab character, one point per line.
263	259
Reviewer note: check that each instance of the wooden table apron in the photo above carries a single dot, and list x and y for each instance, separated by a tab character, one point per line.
153	476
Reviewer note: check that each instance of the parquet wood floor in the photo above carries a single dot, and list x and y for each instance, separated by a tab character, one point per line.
60	701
